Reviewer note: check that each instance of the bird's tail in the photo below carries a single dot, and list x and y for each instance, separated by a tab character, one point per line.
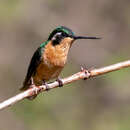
25	86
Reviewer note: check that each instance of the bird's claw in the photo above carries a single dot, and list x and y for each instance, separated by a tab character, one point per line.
59	80
35	92
47	86
35	89
33	86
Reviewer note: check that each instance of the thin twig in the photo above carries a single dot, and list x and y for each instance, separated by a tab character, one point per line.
83	74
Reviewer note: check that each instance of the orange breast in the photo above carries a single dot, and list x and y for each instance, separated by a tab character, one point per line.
53	61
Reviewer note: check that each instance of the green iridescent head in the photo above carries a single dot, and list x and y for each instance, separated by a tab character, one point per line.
62	32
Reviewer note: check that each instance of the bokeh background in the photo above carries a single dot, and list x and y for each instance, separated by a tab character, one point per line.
101	103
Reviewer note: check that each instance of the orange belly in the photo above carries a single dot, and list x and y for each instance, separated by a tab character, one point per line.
46	73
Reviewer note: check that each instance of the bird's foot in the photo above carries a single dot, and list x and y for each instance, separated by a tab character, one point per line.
31	81
35	89
35	92
33	86
59	80
46	85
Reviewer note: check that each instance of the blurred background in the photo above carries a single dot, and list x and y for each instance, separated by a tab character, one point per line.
101	103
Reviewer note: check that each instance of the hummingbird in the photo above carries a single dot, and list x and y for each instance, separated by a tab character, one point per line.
50	58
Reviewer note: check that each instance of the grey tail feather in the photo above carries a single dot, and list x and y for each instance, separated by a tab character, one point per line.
24	87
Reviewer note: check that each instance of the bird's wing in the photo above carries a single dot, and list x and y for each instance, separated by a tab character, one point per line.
35	61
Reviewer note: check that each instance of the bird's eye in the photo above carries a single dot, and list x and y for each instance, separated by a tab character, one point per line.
57	38
58	35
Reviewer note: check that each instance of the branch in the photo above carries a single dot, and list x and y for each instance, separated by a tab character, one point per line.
83	74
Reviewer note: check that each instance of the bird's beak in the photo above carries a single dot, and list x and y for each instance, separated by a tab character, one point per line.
83	37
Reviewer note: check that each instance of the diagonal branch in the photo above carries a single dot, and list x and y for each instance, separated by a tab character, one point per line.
83	74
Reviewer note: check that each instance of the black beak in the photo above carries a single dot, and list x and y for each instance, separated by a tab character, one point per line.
82	37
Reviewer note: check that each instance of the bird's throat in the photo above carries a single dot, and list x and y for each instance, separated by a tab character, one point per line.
57	55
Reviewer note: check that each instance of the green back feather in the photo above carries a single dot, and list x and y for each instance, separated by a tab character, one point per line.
35	61
43	44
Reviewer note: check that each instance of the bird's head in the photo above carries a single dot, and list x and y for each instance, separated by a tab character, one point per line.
63	34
